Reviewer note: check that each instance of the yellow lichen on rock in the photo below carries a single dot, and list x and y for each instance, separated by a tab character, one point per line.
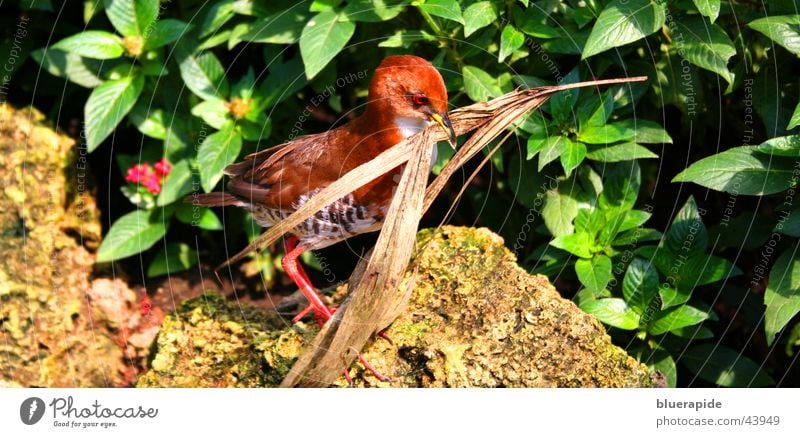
475	320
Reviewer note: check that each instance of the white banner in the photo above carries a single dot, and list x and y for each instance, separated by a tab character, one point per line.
334	412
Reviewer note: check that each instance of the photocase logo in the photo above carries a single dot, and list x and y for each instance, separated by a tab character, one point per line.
31	411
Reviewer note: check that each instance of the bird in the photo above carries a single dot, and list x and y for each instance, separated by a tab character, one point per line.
406	94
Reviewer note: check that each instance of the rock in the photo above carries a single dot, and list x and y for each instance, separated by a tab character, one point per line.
50	334
475	320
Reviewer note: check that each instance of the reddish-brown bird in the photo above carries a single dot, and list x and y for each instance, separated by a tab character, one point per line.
405	95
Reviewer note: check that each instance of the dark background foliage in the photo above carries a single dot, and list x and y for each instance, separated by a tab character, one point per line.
665	208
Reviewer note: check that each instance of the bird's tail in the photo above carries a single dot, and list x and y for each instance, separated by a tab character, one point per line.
213	199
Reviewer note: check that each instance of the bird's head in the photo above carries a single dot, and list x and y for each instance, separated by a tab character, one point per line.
411	92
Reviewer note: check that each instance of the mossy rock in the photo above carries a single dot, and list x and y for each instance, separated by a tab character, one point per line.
49	224
475	320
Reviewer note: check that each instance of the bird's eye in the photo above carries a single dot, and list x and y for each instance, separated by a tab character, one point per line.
420	99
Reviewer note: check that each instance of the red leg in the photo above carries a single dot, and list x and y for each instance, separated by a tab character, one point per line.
298	275
321	311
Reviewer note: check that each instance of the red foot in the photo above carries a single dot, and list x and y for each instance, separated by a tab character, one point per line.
321	311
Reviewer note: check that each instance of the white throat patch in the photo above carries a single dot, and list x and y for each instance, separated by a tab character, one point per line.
410	126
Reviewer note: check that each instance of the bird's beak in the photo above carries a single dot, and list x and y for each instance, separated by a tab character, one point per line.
444	122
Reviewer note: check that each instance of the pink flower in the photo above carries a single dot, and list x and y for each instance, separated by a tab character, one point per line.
138	173
144	174
162	168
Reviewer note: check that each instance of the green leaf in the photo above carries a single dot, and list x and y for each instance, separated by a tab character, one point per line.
782	296
173	258
180	182
216	16
107	106
594	274
789	223
217	151
551	149
622	22
558	212
795	120
405	38
671	297
704	44
477	16
619	152
214	112
676	318
621	185
578	244
202	74
704	269
199	216
76	69
724	366
781	146
372	11
574	153
663	362
510	40
709	8
93	44
613	312
149	121
132	17
165	32
479	85
323	37
284	27
447	9
640	285
783	29
740	170
636	236
687	236
639	131
131	234
283	81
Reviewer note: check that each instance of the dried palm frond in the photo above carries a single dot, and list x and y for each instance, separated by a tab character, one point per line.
376	295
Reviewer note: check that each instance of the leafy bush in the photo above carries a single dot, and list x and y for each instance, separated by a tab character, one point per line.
633	198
